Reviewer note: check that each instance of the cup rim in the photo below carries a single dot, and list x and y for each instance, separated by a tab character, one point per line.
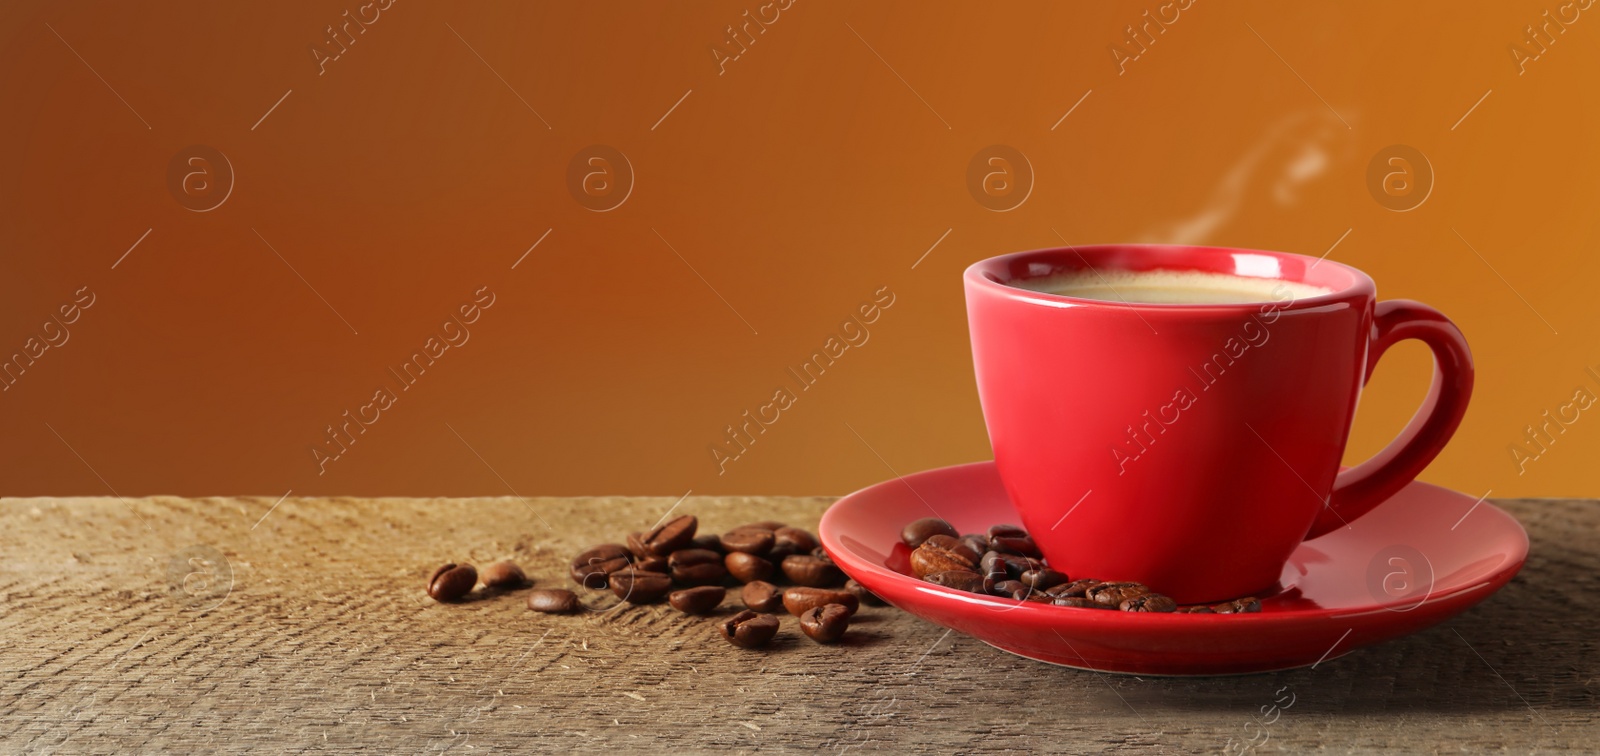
1343	281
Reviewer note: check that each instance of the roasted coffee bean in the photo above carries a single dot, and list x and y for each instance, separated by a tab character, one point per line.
636	546
651	564
866	597
933	556
761	596
1149	602
590	568
763	525
919	531
1237	606
786	541
824	624
961	580
956	546
552	600
709	541
639	586
1007	530
1076	601
748	629
1196	610
504	575
452	582
748	567
696	567
1074	589
1113	594
748	541
1043	578
798	600
977	543
812	571
699	600
670	536
1023	545
1009	588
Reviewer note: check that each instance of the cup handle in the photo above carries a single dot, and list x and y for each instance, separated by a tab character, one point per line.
1358	489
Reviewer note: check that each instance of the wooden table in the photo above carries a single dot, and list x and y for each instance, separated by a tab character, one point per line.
326	642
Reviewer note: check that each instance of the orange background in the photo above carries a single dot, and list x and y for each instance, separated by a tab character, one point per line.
791	183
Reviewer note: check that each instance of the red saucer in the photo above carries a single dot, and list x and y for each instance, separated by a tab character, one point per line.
1418	559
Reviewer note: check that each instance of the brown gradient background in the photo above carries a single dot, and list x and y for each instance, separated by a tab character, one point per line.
796	183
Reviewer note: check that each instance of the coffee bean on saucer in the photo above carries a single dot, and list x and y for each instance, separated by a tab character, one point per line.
746	568
1149	602
761	596
452	582
961	580
919	531
552	600
976	543
1113	594
1074	589
699	600
749	629
812	571
708	541
590	568
1010	588
941	553
748	541
798	600
1237	606
957	546
1195	610
504	575
826	623
1043	578
866	597
786	541
696	567
1023	545
671	535
640	586
1007	530
1077	601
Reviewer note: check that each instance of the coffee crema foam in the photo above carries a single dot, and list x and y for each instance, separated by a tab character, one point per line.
1169	287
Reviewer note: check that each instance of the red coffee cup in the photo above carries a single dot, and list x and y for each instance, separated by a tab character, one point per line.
1192	447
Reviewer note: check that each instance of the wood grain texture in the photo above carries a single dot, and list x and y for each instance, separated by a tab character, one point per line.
326	642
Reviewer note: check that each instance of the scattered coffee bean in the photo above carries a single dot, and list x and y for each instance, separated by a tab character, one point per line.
812	571
1238	606
749	629
1076	601
763	525
961	580
798	600
504	575
696	567
919	531
452	582
824	624
639	586
976	543
1010	588
786	541
1113	594
699	600
636	546
1149	602
936	555
1043	578
761	596
1023	545
590	568
746	568
1007	530
956	546
1074	589
748	541
671	535
866	597
552	600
